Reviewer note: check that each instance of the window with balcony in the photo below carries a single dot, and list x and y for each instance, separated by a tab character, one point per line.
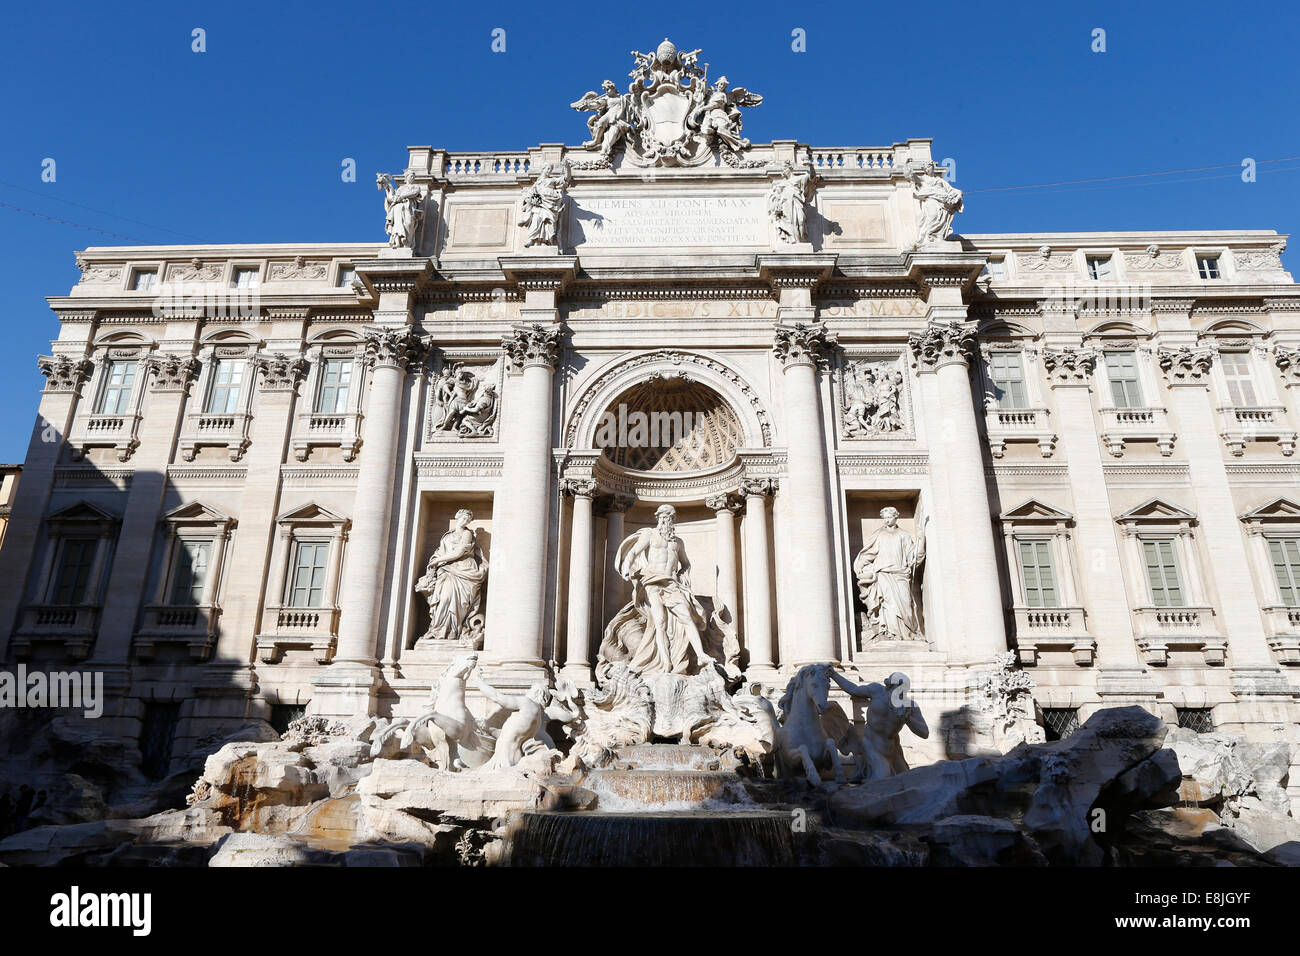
1273	531
1208	267
1163	585
76	558
1047	616
1284	555
1125	383
190	573
335	384
1238	380
119	380
1007	376
307	581
1037	574
227	382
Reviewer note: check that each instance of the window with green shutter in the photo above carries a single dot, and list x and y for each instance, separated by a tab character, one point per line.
1037	574
1285	556
1162	573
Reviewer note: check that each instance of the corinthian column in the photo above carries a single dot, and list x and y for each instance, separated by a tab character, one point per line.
521	508
758	578
577	667
391	351
943	349
614	506
812	634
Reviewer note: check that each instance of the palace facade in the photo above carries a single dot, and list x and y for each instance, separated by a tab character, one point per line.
245	455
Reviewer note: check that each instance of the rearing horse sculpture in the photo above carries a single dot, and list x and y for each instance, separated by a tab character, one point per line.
469	743
802	741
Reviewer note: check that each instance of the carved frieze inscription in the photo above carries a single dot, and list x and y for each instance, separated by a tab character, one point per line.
670	221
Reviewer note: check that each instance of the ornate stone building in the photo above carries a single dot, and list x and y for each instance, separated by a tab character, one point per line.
246	455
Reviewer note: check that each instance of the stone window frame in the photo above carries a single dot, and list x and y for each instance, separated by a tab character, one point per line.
120	431
72	625
194	626
133	268
1120	425
1268	418
229	430
1192	625
1226	273
1004	425
1114	256
235	266
284	627
1277	518
312	429
336	273
1041	630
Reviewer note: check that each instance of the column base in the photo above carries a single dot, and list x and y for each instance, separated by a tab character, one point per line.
350	689
763	674
515	673
579	674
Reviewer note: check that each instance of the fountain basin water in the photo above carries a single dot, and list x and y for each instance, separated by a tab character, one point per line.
633	791
689	838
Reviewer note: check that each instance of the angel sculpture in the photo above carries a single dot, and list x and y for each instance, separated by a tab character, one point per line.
613	115
719	114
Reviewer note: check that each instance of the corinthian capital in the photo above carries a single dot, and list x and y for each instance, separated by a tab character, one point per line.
1288	363
801	344
943	343
1185	365
758	487
1069	366
62	372
280	372
393	346
535	344
172	373
578	487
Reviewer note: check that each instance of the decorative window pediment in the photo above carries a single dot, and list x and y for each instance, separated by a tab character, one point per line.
195	512
1035	511
1156	511
311	513
83	511
1278	511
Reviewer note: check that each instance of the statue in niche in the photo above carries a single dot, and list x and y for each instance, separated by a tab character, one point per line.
940	203
466	403
542	204
453	585
886	571
659	630
873	399
613	117
403	210
785	203
889	708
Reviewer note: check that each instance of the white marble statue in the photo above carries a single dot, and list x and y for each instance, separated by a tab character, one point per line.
453	583
659	630
886	571
888	709
466	403
718	116
786	203
940	203
542	205
804	742
403	210
613	115
520	734
469	743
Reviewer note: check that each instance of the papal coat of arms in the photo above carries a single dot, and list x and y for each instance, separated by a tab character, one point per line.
670	115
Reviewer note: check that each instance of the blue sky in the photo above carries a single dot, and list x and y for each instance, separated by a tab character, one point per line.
243	143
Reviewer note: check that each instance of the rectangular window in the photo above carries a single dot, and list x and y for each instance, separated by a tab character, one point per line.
1007	373
157	736
1197	719
144	280
996	269
190	576
1122	370
227	379
1060	722
346	275
1208	266
1284	554
119	379
73	577
1099	267
335	382
307	581
247	278
1162	573
1037	574
1236	374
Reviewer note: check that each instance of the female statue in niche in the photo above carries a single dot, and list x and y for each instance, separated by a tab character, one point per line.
453	584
